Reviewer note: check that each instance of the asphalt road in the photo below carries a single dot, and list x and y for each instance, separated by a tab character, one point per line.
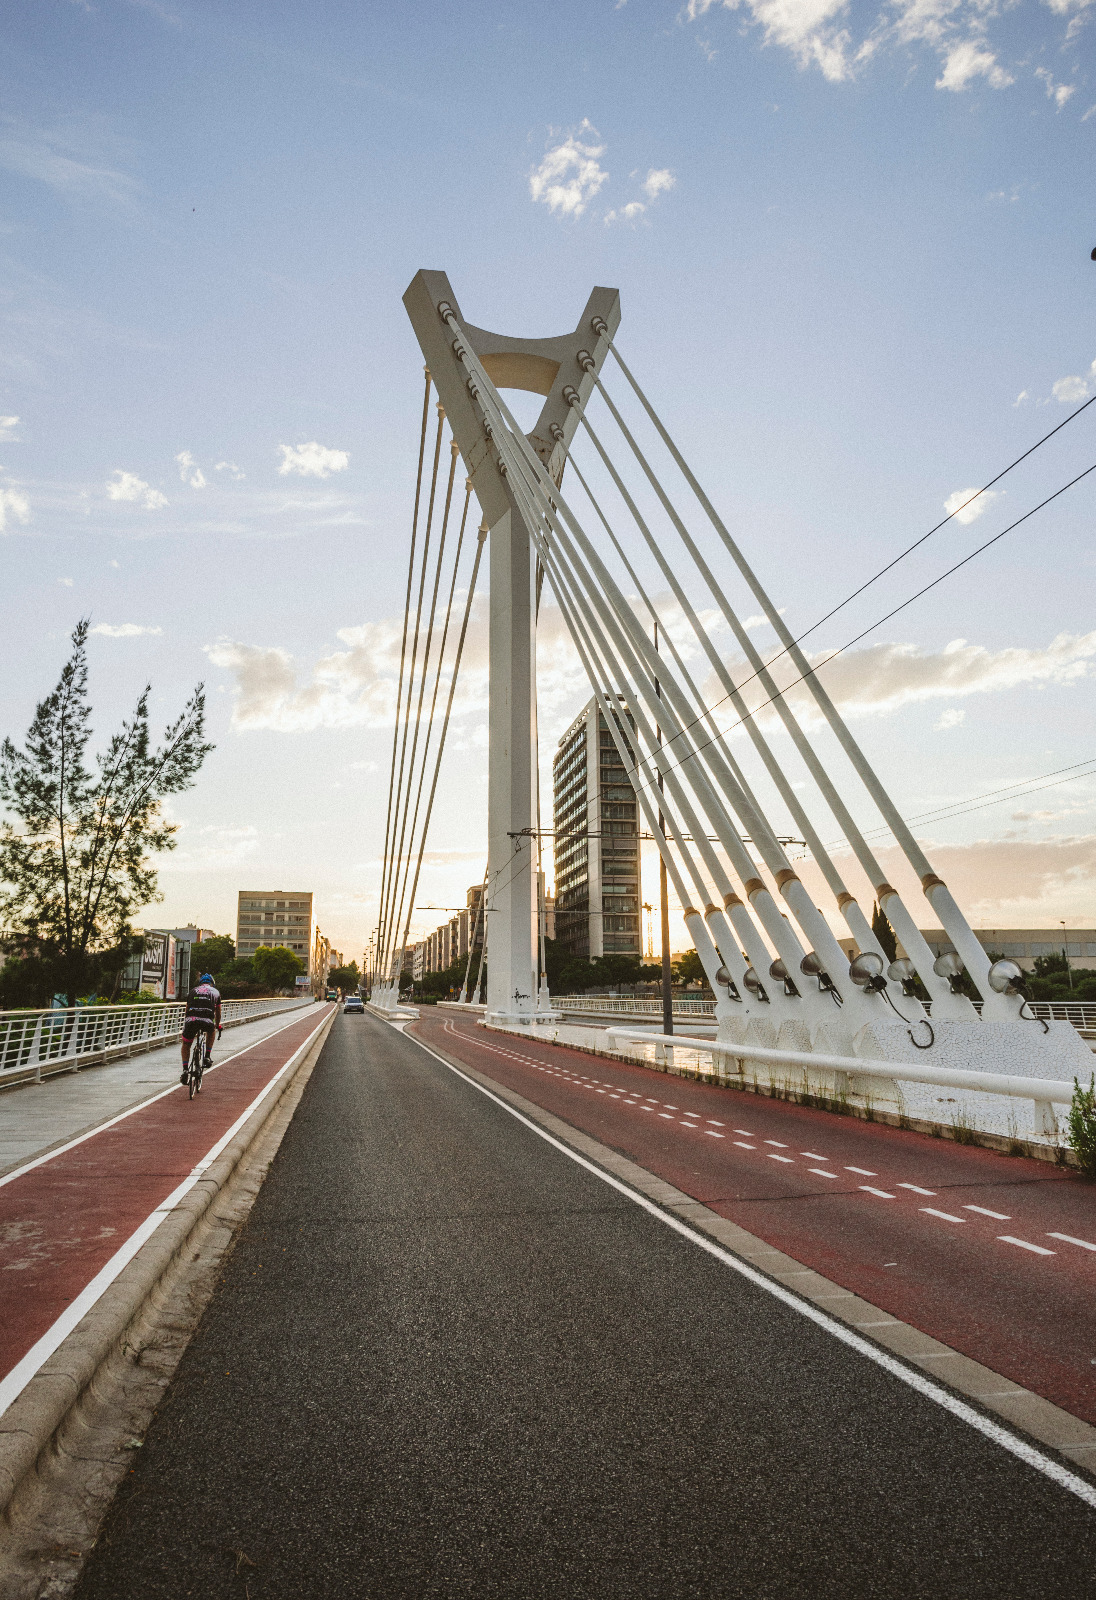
446	1360
992	1254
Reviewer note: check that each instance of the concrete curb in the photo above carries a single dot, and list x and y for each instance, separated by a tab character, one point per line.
1023	1409
33	1420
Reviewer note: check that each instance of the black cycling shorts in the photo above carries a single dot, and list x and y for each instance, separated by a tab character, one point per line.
192	1024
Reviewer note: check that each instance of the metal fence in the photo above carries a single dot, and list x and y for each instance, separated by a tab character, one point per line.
1082	1015
38	1043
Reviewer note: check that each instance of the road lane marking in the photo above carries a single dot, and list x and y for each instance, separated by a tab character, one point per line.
1021	1449
882	1193
813	1155
712	1133
945	1216
667	1115
863	1171
715	1122
822	1173
745	1132
915	1187
742	1146
773	1157
1067	1238
1024	1244
778	1143
998	1216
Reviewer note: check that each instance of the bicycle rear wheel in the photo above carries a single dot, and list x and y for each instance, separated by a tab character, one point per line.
194	1065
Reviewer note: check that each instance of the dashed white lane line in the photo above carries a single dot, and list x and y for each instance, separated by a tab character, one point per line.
712	1133
1067	1238
812	1155
945	1216
778	1143
715	1122
742	1146
916	1188
820	1172
774	1157
882	1193
1025	1244
746	1134
667	1115
863	1171
998	1216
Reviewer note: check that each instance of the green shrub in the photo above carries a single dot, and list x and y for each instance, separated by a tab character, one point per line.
1082	1126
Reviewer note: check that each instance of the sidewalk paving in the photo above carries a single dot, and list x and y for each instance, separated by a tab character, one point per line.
34	1117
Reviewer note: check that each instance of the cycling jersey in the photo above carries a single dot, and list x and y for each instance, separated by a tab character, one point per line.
203	1006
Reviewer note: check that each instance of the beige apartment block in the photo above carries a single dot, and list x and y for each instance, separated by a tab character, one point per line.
283	919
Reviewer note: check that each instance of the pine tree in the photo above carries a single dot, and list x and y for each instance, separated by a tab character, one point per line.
75	863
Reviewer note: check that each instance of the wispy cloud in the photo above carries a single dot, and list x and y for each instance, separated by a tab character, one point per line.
971	512
1060	93
66	160
969	60
128	486
190	471
8	426
954	717
312	460
570	175
123	630
657	181
231	468
13	504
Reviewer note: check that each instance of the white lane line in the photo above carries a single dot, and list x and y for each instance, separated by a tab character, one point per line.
821	1172
742	1146
646	1108
1024	1244
1067	1238
668	1106
712	1134
101	1127
773	1157
882	1193
667	1115
813	1155
778	1143
945	1216
745	1132
917	1381
715	1123
12	1386
863	1171
601	1091
915	1187
998	1216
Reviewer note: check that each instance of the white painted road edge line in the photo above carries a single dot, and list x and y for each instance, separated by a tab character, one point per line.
12	1386
915	1380
101	1127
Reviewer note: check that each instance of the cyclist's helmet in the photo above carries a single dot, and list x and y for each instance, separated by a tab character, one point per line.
207	977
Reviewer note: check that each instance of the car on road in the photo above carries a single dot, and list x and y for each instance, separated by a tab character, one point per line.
353	1002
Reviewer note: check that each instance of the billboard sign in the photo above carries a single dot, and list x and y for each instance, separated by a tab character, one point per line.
154	964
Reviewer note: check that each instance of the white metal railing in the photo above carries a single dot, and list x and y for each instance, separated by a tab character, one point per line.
629	1006
1082	1015
41	1042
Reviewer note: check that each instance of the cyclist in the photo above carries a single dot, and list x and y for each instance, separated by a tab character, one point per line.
203	1010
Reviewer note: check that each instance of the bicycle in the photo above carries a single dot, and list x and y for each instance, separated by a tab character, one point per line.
196	1063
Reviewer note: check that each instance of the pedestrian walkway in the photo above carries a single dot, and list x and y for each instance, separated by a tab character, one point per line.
37	1116
446	1358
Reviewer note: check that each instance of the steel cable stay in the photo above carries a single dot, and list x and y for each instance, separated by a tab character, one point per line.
901	556
437	674
480	910
480	541
386	908
403	647
424	672
935	889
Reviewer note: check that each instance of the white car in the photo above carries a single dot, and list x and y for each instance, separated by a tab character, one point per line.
353	1002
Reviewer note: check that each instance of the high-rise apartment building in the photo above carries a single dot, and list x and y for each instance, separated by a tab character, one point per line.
283	919
597	900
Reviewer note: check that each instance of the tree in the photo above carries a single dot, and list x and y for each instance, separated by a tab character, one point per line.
75	863
276	968
688	968
883	931
213	955
345	978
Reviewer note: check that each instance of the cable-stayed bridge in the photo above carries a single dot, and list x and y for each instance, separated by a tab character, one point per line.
769	951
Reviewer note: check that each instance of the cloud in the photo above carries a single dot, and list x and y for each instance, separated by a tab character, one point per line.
570	175
1070	390
62	161
230	467
967	61
66	581
312	460
971	512
1020	398
189	470
14	504
1059	92
807	28
128	486
629	213
657	181
123	630
952	718
7	424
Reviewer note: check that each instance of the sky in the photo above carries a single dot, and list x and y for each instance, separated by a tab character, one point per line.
852	244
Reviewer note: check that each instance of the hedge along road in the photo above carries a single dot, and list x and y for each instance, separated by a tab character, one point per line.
447	1358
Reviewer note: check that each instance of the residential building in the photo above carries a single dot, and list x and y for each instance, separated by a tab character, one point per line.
597	899
450	942
284	919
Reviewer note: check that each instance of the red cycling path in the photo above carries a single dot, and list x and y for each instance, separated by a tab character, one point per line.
993	1255
72	1215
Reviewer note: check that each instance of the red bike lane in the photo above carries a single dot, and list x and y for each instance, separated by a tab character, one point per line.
65	1217
991	1254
